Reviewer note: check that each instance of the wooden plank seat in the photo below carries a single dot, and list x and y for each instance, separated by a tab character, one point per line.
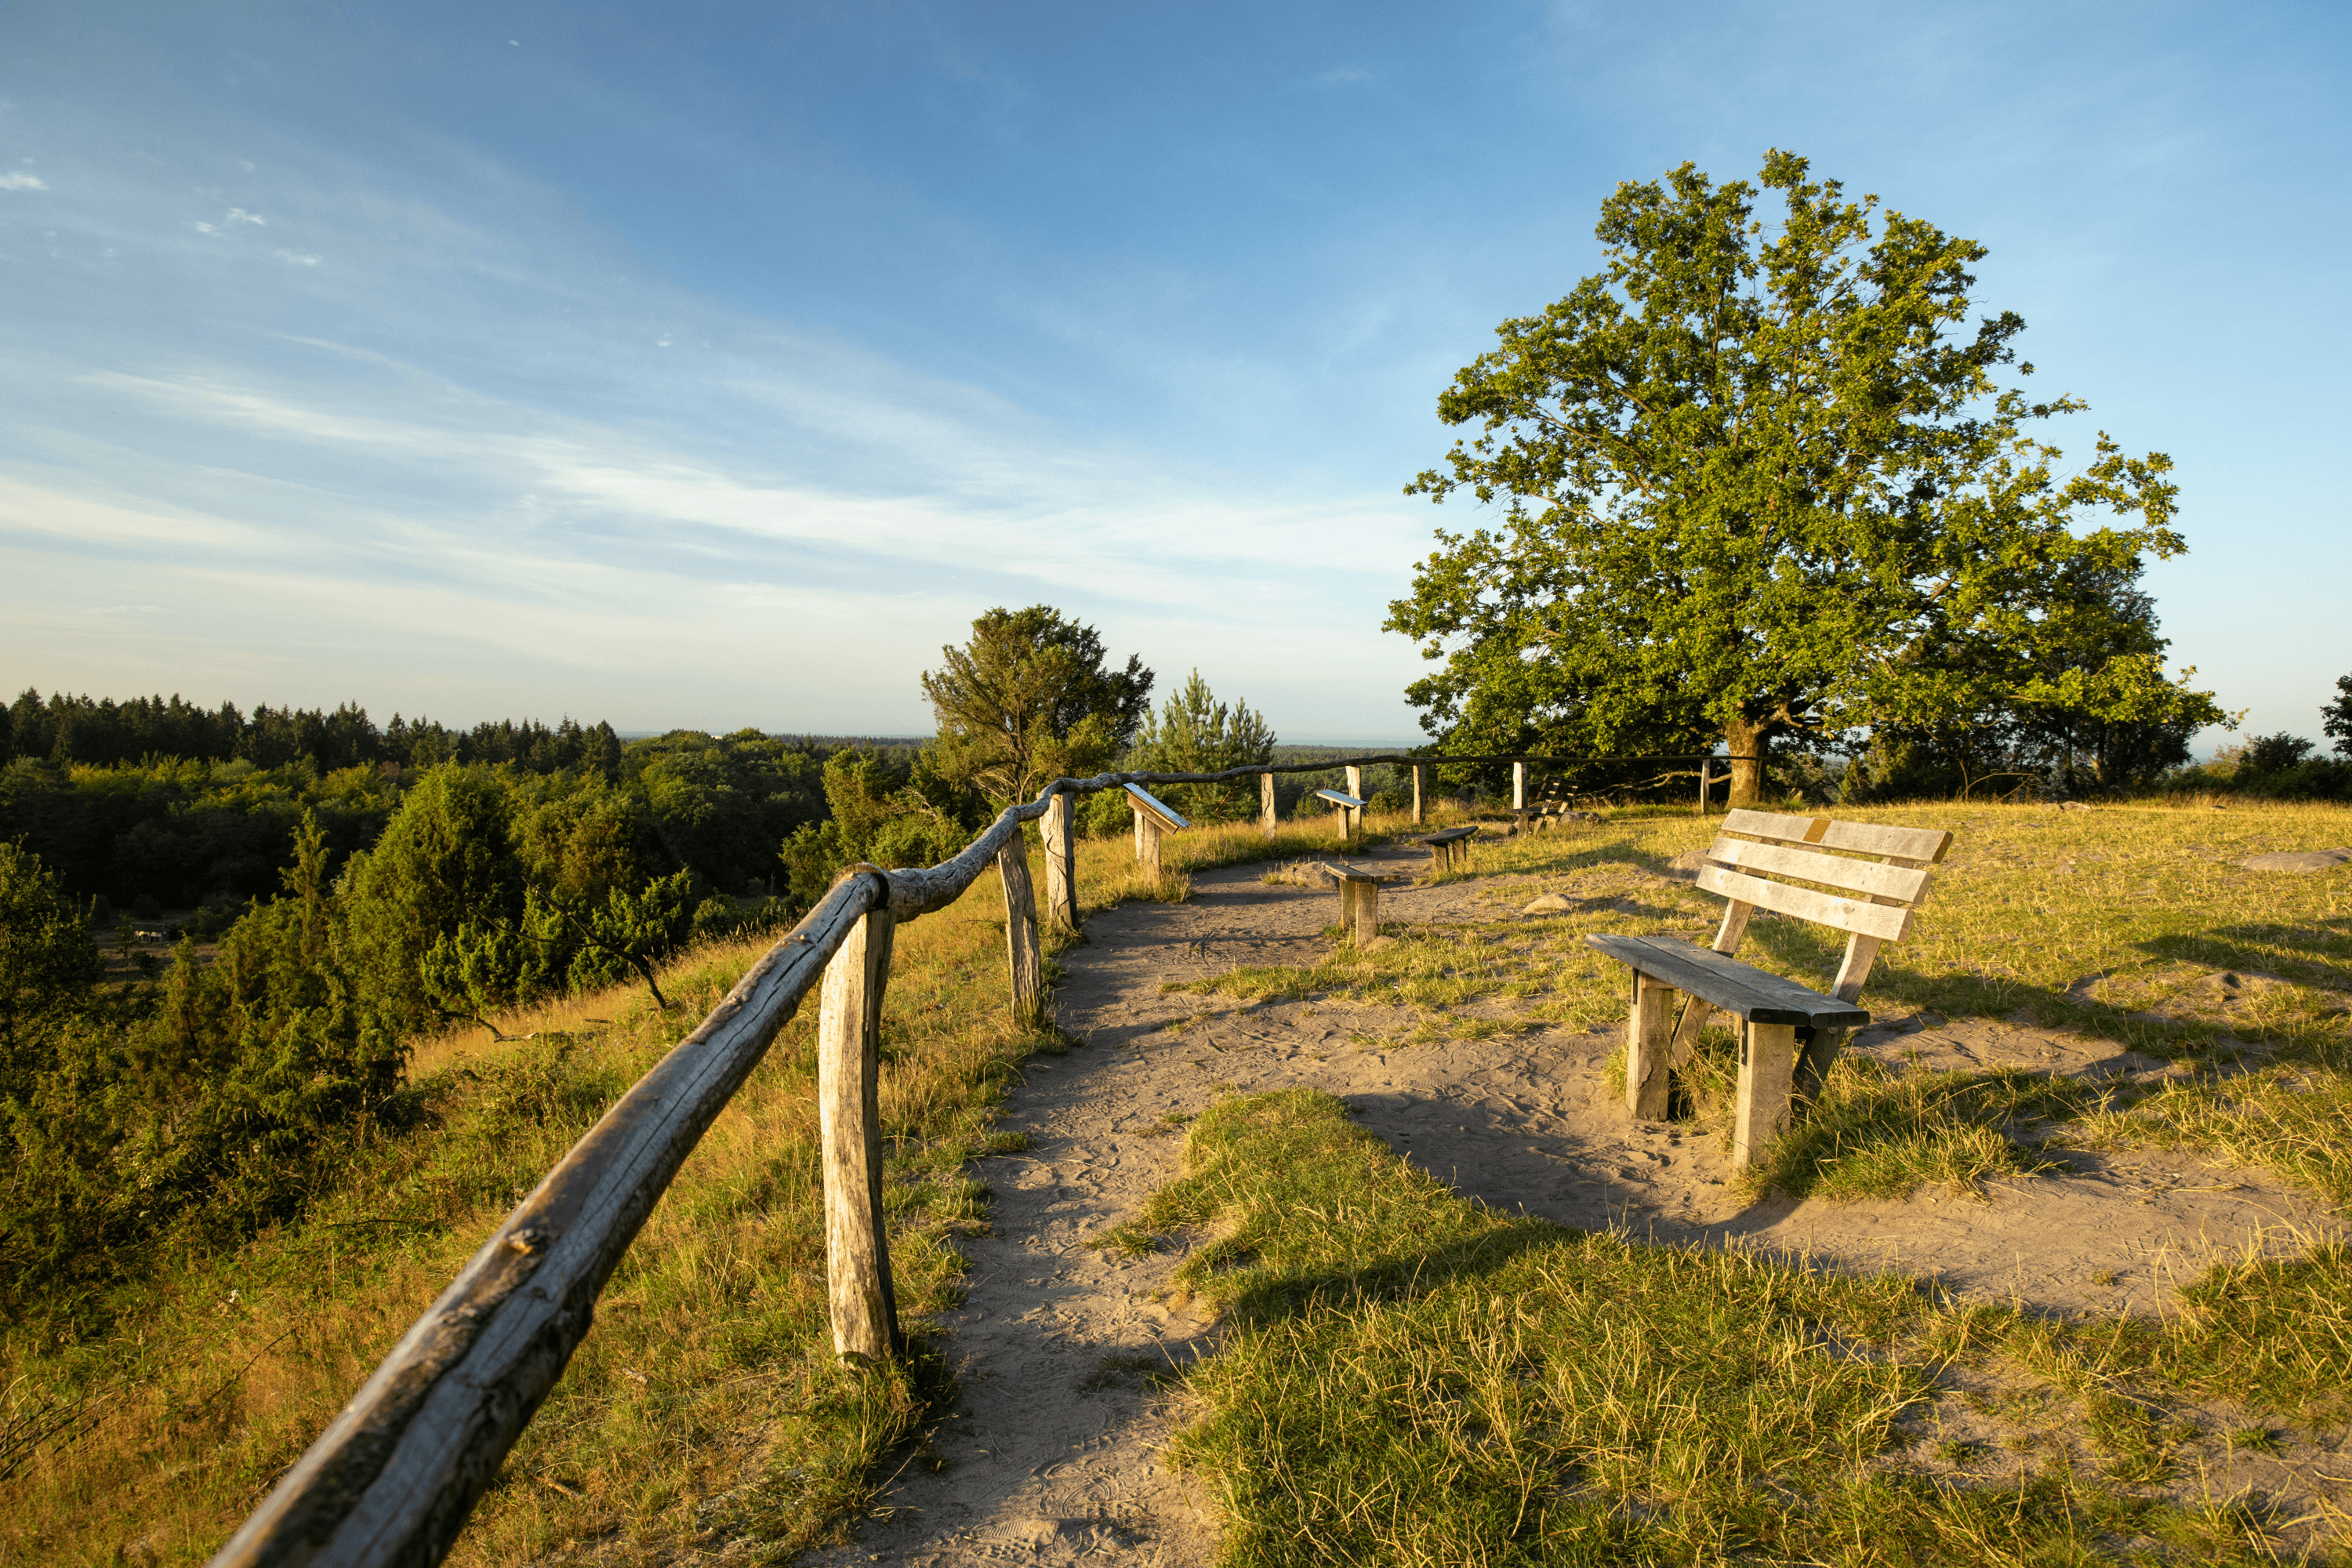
1789	1034
1154	819
1450	846
1359	903
1349	808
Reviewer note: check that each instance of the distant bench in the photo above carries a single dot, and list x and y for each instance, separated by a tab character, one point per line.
1351	808
1449	848
1790	1035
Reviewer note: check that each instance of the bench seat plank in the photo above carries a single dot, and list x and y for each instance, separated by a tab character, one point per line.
1451	835
1729	985
1885	922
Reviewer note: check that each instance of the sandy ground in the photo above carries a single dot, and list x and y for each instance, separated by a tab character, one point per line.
1054	1457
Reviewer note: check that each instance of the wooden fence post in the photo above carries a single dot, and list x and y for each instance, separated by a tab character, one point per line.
1020	952
1419	813
1266	803
849	1111
1518	786
1356	782
1147	840
1061	869
1706	781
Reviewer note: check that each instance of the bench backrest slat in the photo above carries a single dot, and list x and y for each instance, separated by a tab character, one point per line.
1887	923
1904	883
1923	845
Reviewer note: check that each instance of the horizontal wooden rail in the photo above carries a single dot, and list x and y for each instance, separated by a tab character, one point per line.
394	1477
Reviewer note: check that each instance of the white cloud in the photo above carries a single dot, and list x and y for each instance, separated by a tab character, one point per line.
207	228
15	181
298	258
239	214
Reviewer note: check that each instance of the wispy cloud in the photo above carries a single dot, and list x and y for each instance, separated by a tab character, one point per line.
297	258
239	214
16	180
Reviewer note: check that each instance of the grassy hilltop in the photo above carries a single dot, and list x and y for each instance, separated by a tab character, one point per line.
1510	1391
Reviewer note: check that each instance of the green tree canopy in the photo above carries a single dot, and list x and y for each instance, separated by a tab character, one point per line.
1195	733
1029	699
1761	481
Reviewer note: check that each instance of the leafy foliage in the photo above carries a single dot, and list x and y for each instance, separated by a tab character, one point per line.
1760	483
2336	718
1195	733
884	812
1029	697
48	963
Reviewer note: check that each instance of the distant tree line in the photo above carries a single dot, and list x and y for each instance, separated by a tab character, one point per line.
102	732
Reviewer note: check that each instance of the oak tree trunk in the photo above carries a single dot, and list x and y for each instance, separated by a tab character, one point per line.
1744	741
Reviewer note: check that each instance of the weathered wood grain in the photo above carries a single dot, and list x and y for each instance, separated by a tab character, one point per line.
1767	1058
1056	830
1359	907
1266	803
1648	1036
1024	960
1924	845
1724	982
1886	883
1887	923
1420	786
849	1110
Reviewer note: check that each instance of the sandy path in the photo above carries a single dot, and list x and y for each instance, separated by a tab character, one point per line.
1055	1456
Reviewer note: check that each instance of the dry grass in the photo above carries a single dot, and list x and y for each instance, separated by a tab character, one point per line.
1409	1378
2128	923
704	1407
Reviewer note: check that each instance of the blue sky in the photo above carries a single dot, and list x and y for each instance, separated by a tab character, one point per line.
713	364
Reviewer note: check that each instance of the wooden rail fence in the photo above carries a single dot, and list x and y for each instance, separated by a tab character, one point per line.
393	1479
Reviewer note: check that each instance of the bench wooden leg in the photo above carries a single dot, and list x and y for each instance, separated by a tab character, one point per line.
1813	1064
1768	1061
1648	1038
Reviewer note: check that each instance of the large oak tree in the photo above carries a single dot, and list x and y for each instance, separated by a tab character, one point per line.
1762	480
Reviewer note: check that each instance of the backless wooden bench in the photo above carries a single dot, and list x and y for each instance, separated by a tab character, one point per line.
1450	846
1789	1035
1350	810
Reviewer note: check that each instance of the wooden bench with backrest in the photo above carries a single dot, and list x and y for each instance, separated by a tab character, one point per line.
1789	1034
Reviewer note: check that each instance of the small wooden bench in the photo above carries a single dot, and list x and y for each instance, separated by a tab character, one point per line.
1790	1035
1360	904
1449	846
1153	819
1351	808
